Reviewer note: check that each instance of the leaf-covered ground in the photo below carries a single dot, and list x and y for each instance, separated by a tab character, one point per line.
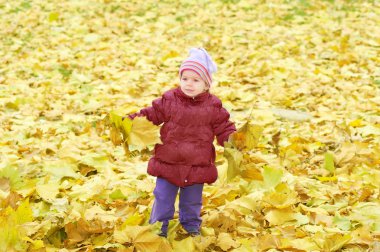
301	79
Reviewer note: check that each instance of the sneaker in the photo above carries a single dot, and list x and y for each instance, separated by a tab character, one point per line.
194	233
163	234
164	229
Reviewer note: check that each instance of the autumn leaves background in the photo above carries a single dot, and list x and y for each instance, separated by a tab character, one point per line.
300	78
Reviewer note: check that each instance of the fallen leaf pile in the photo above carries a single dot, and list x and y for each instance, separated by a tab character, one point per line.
300	78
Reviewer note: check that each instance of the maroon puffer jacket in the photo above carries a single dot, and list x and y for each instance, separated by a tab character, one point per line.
187	154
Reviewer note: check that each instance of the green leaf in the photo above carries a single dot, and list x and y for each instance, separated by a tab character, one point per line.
13	175
272	176
342	223
65	72
133	220
26	5
60	169
376	227
117	194
126	126
329	162
327	179
53	16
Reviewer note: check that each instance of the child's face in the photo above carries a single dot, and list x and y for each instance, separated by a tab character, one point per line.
192	84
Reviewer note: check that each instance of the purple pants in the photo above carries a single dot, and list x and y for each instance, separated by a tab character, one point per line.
190	204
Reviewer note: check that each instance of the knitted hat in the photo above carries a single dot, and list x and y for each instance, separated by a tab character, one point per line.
200	62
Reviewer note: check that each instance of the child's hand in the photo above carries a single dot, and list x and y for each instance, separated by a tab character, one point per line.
131	116
127	116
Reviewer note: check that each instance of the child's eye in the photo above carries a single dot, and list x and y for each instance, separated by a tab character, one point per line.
196	80
184	79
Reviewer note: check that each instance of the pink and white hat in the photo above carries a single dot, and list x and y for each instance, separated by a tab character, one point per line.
200	62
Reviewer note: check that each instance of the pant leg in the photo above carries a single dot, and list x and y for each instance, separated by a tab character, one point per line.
163	207
190	204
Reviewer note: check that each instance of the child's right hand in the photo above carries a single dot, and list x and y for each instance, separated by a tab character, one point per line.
127	116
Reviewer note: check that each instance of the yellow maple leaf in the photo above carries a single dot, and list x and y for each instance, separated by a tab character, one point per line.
331	242
247	136
137	134
184	245
225	242
279	216
140	237
119	127
143	134
304	244
282	197
36	244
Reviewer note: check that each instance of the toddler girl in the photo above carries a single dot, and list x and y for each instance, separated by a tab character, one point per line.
191	118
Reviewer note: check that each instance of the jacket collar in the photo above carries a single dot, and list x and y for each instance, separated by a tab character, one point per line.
199	98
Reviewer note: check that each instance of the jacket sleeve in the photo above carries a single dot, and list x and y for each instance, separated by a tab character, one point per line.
222	126
154	113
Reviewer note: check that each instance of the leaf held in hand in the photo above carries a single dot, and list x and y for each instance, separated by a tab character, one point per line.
137	134
144	134
247	137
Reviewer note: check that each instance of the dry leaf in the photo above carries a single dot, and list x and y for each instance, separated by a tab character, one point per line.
70	72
